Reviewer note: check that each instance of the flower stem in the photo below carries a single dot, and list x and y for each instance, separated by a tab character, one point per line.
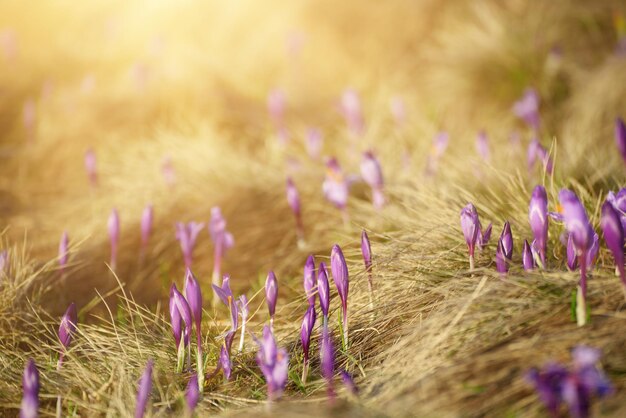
581	296
471	261
243	333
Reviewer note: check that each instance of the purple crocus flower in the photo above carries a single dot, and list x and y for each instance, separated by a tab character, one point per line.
225	294
548	383
348	382
276	107
305	337
192	394
271	295
501	258
91	166
327	360
584	381
309	280
351	110
536	150
527	108
506	237
614	237
373	175
580	229
314	142
592	253
193	294
67	327
527	257
335	186
274	363
146	226
471	227
366	251
620	137
341	278
30	386
440	143
323	291
572	256
145	387
538	218
114	236
63	251
179	309
482	146
293	198
222	240
483	236
4	262
619	204
243	311
187	234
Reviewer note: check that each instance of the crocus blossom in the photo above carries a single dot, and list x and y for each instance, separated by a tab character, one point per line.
335	186
538	219
351	110
271	295
348	382
147	218
327	361
180	310
372	174
527	108
4	262
192	393
187	234
620	137
366	251
506	237
482	146
314	141
225	294
614	238
30	387
470	225
64	251
440	143
339	270
293	199
114	236
582	234
222	241
527	257
224	359
242	304
274	364
143	393
536	150
323	291
305	338
309	280
501	258
572	256
91	167
67	328
193	294
619	204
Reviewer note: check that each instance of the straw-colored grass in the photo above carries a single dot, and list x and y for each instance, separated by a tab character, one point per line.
141	82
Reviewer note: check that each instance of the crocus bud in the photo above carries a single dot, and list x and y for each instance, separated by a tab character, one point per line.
30	386
193	294
538	218
293	197
527	257
271	294
438	147
68	325
501	259
527	108
225	362
348	382
175	318
63	251
327	361
572	257
145	387
339	270
305	332
366	251
187	235
507	241
309	279
614	237
373	175
351	110
274	363
314	142
482	146
114	235
470	227
536	150
335	186
323	290
91	166
225	294
180	304
146	225
483	236
620	137
192	394
222	241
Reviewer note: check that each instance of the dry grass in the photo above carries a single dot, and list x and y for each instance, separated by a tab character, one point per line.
142	82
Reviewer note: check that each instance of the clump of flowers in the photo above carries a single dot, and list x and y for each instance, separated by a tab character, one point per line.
472	230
